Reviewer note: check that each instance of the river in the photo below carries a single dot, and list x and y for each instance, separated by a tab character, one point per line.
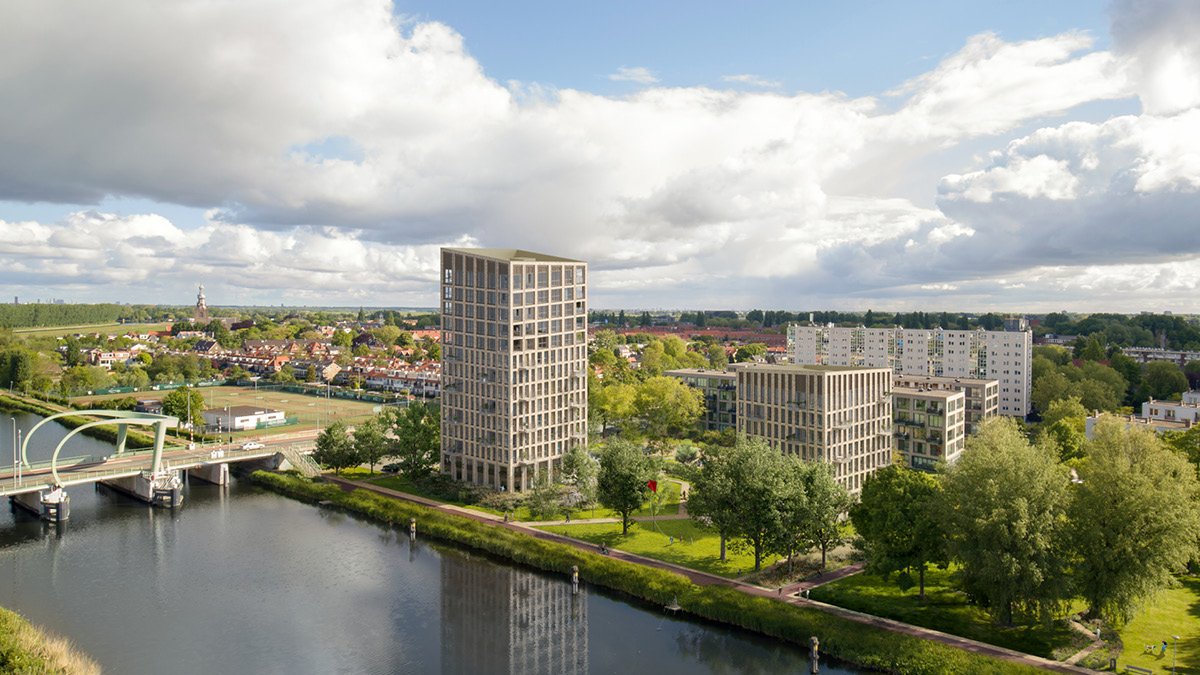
243	581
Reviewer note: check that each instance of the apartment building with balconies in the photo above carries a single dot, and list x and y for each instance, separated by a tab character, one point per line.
514	364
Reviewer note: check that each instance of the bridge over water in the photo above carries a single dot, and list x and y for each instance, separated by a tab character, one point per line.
153	475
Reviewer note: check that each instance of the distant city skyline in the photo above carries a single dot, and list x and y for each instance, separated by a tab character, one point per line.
920	156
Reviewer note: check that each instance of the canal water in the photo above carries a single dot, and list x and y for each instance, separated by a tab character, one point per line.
243	581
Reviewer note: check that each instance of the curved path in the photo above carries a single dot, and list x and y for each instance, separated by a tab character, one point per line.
705	579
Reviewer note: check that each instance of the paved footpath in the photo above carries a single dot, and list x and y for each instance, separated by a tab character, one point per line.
705	579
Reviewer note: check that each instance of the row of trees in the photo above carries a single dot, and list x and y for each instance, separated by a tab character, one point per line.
767	502
411	436
1027	537
657	408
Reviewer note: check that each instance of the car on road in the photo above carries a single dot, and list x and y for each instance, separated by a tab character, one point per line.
392	468
252	445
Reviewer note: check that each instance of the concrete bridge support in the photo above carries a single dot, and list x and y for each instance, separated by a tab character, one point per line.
217	474
53	505
164	488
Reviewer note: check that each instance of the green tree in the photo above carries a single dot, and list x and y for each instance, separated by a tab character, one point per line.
1048	389
1186	444
827	502
1004	505
343	338
666	406
544	498
1092	351
416	431
185	403
611	404
899	527
717	357
1135	519
712	501
285	374
1164	379
370	442
758	480
334	449
622	481
579	471
604	340
310	375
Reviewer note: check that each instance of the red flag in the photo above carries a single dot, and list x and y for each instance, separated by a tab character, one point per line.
653	485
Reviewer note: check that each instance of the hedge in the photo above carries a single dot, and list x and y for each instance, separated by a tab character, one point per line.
841	638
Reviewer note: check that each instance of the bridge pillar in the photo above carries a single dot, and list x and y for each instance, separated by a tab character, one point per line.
164	488
53	505
217	474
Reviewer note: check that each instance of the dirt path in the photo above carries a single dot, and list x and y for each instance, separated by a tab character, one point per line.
705	579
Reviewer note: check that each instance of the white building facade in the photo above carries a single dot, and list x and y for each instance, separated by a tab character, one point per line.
1005	356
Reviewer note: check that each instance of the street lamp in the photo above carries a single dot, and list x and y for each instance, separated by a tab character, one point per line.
1174	649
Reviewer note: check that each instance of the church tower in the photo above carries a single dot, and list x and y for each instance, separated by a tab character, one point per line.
201	308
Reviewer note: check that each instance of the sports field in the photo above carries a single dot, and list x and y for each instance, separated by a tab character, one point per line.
107	328
305	407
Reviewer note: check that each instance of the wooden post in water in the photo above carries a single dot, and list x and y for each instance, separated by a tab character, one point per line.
412	528
814	652
574	579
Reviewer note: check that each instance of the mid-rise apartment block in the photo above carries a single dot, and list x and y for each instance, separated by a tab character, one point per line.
720	395
982	396
834	414
1005	356
514	364
929	425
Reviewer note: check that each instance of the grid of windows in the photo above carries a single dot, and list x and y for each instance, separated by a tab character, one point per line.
514	352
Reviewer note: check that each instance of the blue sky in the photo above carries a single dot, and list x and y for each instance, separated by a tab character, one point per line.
938	155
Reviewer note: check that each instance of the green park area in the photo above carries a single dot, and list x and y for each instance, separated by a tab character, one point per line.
947	609
693	546
1176	611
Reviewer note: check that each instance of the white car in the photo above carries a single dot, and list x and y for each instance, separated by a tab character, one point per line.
252	445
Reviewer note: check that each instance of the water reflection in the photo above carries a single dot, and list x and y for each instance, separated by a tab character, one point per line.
510	621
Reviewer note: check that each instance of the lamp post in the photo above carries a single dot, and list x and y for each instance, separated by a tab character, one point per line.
14	425
1174	650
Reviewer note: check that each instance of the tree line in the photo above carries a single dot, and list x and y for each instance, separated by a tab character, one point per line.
1028	533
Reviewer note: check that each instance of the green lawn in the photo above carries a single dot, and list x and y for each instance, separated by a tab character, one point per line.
1175	612
694	547
946	610
107	328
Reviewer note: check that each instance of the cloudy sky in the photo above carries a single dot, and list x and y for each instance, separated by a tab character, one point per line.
936	155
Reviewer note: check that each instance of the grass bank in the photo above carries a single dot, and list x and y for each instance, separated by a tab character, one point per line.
693	546
946	609
28	650
842	638
135	438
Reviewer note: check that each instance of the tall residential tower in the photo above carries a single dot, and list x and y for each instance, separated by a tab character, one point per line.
514	364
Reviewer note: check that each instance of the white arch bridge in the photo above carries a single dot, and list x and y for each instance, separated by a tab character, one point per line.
152	475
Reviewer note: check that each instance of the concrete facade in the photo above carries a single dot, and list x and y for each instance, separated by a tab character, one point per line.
833	414
514	364
929	425
1005	356
982	396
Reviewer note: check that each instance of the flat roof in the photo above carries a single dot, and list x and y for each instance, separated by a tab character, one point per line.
512	255
709	372
943	378
933	393
806	368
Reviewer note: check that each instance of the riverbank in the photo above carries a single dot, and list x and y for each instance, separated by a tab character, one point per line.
28	650
13	403
863	642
